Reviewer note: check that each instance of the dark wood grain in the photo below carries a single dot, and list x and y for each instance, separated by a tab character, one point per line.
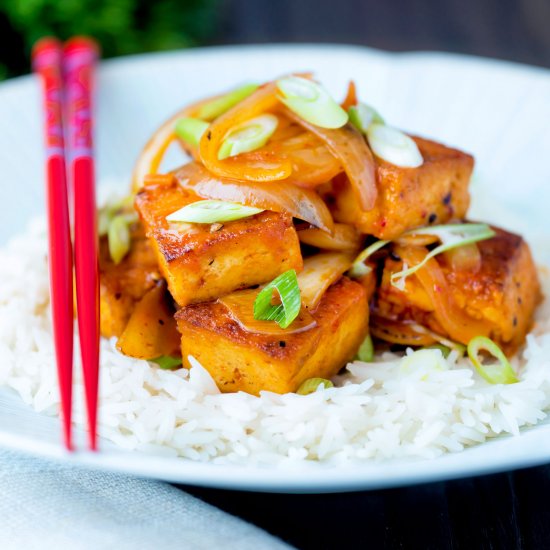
517	30
502	511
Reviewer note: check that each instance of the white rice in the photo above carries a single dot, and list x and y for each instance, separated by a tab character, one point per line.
418	406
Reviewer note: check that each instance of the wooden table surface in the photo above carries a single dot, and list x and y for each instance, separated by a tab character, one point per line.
502	511
510	510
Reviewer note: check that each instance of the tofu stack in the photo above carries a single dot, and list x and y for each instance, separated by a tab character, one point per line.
321	184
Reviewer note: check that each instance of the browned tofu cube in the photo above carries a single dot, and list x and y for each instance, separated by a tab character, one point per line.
502	294
251	362
201	262
122	286
433	193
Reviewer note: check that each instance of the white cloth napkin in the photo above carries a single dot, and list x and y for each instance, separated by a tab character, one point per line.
45	505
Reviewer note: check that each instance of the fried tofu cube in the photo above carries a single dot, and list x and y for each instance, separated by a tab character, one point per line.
201	262
122	285
502	294
239	360
433	193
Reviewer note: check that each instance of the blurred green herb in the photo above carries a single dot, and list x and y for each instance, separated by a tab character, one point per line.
120	26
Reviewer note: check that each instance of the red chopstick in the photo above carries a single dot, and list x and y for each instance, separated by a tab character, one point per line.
80	55
47	55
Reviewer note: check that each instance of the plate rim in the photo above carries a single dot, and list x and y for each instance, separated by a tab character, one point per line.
346	478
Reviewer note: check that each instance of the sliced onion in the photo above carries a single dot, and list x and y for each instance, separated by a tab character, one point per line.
320	272
454	320
312	163
349	146
344	237
256	166
276	196
393	146
414	239
399	332
464	258
240	305
152	154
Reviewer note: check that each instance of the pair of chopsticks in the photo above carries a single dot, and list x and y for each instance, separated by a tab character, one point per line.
66	73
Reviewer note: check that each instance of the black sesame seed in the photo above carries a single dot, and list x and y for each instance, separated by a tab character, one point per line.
515	321
209	136
161	322
432	218
282	343
118	296
447	198
394	256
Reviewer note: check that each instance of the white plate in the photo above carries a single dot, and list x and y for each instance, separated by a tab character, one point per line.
498	111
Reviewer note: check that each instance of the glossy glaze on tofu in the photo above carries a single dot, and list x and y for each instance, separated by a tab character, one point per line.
201	262
433	193
243	361
122	286
503	293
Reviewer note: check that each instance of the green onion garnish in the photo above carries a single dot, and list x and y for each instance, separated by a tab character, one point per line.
191	130
445	351
104	217
311	384
393	146
286	285
362	116
499	373
167	362
358	268
213	109
366	350
212	211
118	237
123	206
311	102
451	236
249	136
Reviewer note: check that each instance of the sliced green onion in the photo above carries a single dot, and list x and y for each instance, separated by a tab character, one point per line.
167	362
212	211
393	146
104	217
123	206
366	350
213	109
249	136
191	130
445	351
444	344
358	268
362	116
311	384
311	102
499	373
451	236
118	237
284	313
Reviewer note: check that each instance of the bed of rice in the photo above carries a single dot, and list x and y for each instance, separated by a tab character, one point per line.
416	406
